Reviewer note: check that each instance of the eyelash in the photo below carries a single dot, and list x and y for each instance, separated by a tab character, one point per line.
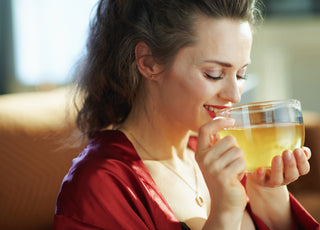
244	77
220	77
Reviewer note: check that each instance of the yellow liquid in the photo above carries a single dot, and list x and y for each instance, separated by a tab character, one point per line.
261	143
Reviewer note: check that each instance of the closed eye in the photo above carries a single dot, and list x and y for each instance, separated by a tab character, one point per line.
212	77
244	77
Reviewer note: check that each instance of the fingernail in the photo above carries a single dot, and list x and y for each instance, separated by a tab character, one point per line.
278	161
288	155
299	153
260	171
228	121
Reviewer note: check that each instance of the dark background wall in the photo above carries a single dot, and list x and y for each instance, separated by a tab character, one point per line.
6	46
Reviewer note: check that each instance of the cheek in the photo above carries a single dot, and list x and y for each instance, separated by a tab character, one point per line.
202	91
196	88
186	96
241	86
188	89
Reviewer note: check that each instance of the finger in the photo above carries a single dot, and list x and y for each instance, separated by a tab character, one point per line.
214	138
301	161
291	172
225	159
259	175
207	131
307	152
221	147
236	167
276	175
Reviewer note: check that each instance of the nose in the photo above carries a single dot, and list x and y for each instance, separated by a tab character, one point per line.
231	90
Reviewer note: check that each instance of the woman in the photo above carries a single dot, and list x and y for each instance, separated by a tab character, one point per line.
156	71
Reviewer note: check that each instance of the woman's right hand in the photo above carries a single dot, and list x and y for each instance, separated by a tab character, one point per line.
222	164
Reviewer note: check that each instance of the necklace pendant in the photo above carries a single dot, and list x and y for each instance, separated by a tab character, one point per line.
200	201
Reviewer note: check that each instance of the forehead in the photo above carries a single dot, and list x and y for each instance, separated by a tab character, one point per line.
224	38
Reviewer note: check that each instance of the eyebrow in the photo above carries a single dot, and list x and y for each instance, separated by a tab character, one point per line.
225	64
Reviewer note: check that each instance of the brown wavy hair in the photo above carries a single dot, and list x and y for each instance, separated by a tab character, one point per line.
108	79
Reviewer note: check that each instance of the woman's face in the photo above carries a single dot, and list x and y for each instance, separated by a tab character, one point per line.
207	75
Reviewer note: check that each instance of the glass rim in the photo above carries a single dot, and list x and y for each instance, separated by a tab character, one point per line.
261	103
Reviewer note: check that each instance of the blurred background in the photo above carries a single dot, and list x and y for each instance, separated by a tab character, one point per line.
286	53
40	43
42	40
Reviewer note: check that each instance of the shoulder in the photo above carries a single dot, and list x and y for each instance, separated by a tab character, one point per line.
109	186
101	178
108	159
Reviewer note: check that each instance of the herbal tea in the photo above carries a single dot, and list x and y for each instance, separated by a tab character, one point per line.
261	143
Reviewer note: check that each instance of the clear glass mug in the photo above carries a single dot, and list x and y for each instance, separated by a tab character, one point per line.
265	129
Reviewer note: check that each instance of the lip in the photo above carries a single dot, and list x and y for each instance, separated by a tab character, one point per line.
212	109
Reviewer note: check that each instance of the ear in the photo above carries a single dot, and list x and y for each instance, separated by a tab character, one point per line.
145	61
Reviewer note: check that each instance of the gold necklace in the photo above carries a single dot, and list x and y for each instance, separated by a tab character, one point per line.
199	199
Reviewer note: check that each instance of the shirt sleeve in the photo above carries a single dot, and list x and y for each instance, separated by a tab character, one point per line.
62	222
304	220
101	200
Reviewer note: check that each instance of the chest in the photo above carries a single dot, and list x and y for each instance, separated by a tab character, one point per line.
180	192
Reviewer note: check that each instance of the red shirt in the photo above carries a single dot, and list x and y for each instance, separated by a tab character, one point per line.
109	187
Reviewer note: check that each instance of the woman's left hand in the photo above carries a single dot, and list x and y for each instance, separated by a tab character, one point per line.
284	169
267	190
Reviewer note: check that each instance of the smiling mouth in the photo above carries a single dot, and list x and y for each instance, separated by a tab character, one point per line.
213	110
210	108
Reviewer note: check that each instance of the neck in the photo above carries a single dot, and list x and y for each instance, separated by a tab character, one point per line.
156	135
